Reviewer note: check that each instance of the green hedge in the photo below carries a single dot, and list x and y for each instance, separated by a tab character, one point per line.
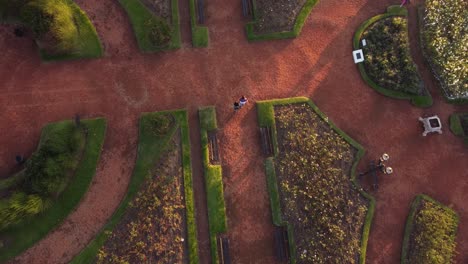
30	231
139	16
150	148
456	125
419	101
300	20
200	34
411	219
214	182
266	117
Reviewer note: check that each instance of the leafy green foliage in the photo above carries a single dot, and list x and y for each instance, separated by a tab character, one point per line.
19	206
445	35
158	124
316	192
159	31
151	30
388	61
45	175
52	21
433	234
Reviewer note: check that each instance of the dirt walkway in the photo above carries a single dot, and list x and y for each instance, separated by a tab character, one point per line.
318	64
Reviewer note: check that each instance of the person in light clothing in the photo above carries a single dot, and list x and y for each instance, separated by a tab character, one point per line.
242	101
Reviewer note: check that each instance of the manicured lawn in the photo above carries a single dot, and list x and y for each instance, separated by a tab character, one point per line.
388	67
430	232
304	180
154	138
213	181
140	16
22	236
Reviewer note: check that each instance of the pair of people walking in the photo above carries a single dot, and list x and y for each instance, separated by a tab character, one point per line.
242	101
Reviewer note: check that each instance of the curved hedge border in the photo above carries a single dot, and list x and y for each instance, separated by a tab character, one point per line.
417	100
300	20
217	219
266	117
150	148
33	230
139	14
410	220
200	35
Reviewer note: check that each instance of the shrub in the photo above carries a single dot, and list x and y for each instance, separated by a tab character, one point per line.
46	169
445	34
19	206
388	61
159	31
53	23
158	124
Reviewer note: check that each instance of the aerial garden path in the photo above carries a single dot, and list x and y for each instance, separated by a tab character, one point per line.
317	64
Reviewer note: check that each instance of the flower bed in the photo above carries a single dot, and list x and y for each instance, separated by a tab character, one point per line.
388	61
153	228
430	232
155	222
278	19
312	186
444	36
388	67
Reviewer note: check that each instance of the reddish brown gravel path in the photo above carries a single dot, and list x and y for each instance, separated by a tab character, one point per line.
318	64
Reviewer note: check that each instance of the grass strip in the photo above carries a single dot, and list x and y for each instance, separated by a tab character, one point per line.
139	15
214	182
200	34
266	117
299	23
32	230
417	100
410	221
182	119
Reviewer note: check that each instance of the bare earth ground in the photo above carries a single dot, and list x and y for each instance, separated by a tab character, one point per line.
318	64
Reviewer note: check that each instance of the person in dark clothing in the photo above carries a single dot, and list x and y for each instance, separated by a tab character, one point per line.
236	106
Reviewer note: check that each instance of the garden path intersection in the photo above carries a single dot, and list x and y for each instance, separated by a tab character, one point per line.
318	64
